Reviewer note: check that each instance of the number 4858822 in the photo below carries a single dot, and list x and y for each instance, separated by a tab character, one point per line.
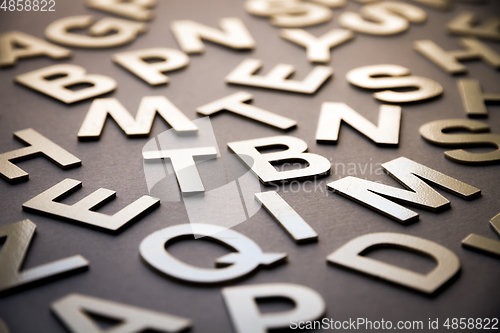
28	5
471	323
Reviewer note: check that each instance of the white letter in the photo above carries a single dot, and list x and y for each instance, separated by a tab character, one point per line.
464	23
38	145
234	35
291	13
474	99
134	9
364	77
124	31
14	250
410	174
448	60
45	203
100	108
249	255
435	133
261	166
73	75
447	262
383	18
332	115
184	165
318	49
484	244
72	310
235	103
247	318
277	77
288	218
135	62
31	47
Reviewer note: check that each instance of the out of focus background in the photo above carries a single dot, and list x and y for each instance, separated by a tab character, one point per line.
115	162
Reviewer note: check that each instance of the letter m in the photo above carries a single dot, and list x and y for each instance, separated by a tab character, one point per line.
101	108
415	177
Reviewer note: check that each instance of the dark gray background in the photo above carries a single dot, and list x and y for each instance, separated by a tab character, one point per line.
114	162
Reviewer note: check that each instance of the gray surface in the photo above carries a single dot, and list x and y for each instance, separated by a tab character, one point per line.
116	272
